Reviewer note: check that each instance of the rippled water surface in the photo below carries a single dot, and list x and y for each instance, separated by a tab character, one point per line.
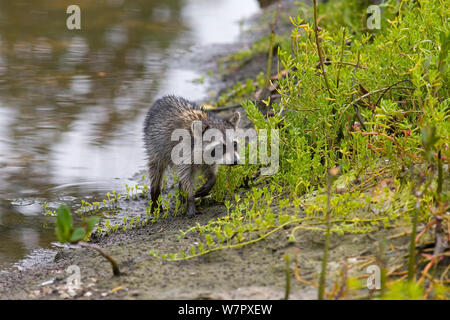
72	101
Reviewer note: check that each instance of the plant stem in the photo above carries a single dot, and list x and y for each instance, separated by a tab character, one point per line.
319	51
355	106
272	36
241	244
412	242
371	93
440	176
342	59
288	277
327	242
113	262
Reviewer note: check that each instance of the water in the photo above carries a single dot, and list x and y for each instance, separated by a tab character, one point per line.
72	102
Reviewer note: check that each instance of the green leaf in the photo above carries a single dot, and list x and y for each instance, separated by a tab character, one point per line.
91	222
291	238
63	224
77	235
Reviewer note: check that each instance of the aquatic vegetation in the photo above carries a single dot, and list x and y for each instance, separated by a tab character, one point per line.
48	212
66	232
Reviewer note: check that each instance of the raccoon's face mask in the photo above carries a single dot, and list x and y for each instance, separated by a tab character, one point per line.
220	146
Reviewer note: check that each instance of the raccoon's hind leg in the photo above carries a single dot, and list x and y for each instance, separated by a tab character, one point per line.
155	174
204	190
186	176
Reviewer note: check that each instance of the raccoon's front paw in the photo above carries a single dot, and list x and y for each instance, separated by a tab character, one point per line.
205	189
191	210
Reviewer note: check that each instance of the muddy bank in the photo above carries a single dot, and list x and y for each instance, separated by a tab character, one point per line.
253	272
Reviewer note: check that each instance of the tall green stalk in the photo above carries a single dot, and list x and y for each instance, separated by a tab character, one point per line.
272	37
323	272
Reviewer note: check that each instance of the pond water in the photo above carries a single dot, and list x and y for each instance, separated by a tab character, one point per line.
72	102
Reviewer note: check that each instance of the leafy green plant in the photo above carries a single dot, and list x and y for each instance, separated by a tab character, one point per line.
66	232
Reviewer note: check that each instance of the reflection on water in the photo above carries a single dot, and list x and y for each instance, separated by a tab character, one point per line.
72	102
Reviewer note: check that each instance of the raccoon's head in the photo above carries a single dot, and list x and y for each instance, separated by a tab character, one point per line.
219	144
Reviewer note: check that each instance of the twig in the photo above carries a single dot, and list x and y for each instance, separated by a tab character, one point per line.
425	271
440	175
113	262
240	244
444	274
394	269
425	297
390	87
342	58
350	64
371	93
355	106
344	281
368	180
399	279
370	261
398	235
298	278
234	106
401	150
428	226
402	273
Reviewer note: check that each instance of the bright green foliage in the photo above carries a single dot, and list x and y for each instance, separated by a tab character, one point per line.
64	226
395	79
404	291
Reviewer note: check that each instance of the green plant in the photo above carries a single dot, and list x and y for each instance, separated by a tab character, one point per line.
66	232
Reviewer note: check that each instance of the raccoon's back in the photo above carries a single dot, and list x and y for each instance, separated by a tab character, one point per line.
166	110
163	117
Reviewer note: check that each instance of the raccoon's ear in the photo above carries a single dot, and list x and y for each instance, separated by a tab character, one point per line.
234	119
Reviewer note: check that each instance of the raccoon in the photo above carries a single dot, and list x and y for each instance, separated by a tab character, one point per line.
171	113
